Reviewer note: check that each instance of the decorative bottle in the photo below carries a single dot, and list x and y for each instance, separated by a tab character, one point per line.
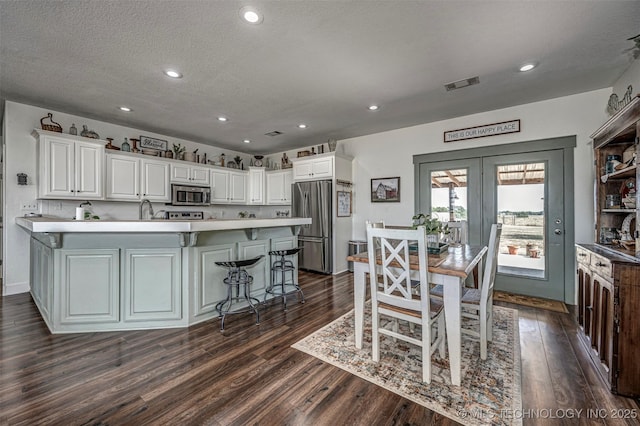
125	146
73	130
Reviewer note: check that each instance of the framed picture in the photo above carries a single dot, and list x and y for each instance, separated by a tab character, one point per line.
153	143
344	203
385	190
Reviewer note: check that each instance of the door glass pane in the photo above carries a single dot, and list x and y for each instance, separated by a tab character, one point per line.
449	194
521	210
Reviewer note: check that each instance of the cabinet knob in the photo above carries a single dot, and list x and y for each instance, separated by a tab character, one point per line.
582	254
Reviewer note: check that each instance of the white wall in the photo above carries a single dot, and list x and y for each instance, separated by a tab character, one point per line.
20	157
391	153
630	77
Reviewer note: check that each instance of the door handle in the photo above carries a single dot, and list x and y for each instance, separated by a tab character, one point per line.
557	231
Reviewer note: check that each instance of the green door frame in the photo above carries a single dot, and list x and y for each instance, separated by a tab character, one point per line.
566	143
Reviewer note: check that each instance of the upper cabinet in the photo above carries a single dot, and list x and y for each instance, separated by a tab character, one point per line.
279	187
617	211
256	185
69	166
195	175
228	186
132	178
313	168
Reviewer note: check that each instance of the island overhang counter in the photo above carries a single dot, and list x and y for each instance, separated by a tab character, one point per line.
105	275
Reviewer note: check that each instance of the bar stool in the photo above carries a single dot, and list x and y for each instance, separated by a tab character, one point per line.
279	269
237	276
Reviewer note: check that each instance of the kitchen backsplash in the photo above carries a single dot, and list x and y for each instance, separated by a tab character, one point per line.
114	210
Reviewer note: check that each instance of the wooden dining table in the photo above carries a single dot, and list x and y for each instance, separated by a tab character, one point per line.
449	269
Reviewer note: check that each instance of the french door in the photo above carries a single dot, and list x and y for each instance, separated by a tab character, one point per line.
525	190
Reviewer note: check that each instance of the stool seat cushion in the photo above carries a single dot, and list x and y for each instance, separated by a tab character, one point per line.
239	263
287	252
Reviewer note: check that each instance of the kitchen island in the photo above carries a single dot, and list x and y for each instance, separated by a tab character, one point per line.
109	275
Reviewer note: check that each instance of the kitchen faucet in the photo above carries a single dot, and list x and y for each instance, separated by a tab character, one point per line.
144	200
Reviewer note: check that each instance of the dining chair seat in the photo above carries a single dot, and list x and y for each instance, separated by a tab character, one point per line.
472	296
435	308
437	291
478	303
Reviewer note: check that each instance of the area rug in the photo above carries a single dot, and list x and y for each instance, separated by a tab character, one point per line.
534	302
490	392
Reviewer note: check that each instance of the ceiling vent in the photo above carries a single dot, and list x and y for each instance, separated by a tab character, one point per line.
274	133
462	83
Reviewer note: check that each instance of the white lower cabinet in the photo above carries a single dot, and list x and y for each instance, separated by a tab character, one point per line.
89	286
259	271
286	243
152	284
209	287
42	277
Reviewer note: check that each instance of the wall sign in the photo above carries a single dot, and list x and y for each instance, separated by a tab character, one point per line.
502	128
153	143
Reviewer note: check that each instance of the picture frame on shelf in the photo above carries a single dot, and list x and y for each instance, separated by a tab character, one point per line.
344	203
153	143
385	190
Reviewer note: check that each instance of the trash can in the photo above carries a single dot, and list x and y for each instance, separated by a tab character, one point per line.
355	247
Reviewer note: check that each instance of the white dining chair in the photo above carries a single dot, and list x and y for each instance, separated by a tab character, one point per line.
458	231
396	298
478	303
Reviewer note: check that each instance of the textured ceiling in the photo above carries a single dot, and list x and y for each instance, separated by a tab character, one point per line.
315	62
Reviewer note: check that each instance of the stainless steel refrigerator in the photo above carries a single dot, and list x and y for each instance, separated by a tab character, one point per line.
314	199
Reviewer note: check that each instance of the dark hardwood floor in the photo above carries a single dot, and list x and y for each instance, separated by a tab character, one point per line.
250	375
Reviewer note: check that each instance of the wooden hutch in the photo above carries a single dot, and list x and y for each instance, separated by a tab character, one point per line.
609	270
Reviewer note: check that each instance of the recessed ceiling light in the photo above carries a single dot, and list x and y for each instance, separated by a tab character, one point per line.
302	126
373	107
251	15
246	141
125	109
173	74
221	118
527	67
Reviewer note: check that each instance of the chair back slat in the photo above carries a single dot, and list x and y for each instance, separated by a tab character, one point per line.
459	231
394	255
491	265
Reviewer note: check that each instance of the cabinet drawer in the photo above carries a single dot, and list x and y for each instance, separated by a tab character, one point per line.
601	266
583	256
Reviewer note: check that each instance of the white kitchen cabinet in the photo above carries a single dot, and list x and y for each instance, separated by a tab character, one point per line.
256	185
183	172
69	166
89	286
209	286
228	187
316	167
260	271
41	278
152	284
133	178
279	187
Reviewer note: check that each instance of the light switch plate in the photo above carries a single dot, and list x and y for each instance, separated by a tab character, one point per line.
31	206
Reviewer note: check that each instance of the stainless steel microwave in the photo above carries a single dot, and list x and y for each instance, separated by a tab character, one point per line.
188	195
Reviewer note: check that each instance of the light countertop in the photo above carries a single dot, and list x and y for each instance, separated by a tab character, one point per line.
56	224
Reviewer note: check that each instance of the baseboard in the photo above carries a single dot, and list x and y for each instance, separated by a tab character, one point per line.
15	288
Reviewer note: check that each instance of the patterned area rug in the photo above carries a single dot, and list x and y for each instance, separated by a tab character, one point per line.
534	302
490	392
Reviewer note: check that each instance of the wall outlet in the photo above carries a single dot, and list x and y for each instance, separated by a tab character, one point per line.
31	206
